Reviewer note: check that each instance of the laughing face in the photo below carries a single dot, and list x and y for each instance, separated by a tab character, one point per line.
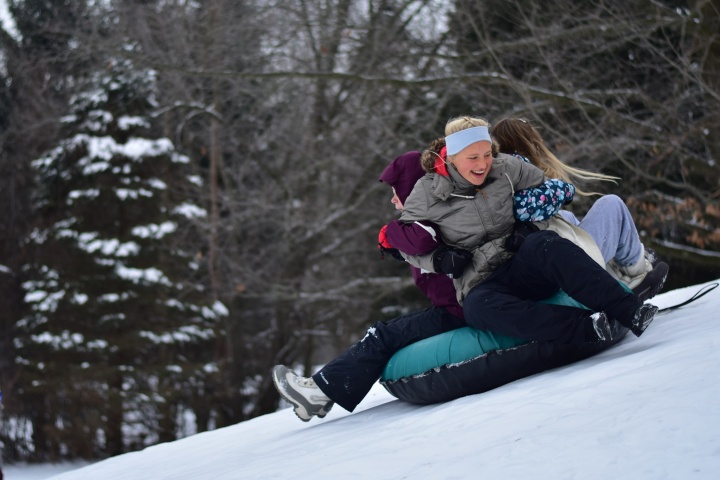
474	162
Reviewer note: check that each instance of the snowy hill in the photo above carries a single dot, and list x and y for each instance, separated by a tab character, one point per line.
649	408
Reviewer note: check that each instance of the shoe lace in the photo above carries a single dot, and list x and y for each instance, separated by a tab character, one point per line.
306	382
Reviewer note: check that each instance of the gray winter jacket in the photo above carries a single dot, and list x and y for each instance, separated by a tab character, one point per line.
478	219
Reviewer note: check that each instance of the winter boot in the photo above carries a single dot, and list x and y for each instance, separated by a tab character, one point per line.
601	326
590	328
597	328
653	282
645	278
642	318
630	275
303	393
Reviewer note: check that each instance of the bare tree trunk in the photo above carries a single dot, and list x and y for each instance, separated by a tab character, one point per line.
214	155
113	431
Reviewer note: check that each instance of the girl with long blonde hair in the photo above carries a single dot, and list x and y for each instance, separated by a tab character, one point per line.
519	136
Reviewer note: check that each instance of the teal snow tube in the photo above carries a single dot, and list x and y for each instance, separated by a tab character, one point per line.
467	361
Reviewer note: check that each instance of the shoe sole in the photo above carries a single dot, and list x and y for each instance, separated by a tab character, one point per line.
281	385
654	287
647	319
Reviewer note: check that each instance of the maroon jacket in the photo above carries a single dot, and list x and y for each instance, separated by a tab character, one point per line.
402	174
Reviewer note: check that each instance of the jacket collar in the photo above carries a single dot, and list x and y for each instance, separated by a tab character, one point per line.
449	182
452	183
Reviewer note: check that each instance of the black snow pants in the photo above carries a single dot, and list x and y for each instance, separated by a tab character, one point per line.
505	302
350	376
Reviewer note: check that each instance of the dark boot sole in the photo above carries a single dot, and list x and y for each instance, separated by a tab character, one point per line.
653	282
639	325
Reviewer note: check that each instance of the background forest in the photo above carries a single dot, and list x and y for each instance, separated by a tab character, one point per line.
189	189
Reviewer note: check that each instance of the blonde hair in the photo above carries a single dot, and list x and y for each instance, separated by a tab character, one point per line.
515	135
464	122
432	152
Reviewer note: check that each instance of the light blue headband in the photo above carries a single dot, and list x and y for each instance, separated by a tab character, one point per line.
456	142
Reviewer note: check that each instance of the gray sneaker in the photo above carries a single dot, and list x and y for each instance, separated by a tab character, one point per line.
303	393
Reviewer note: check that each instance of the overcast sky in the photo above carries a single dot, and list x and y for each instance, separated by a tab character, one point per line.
5	19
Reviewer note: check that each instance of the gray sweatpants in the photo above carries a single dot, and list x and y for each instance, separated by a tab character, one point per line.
610	224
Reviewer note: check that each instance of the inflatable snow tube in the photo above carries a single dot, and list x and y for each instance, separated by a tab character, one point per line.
469	361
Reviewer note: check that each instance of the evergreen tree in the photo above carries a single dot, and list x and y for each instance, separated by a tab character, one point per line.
118	341
39	61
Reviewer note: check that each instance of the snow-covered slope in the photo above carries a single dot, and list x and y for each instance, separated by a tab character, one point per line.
649	408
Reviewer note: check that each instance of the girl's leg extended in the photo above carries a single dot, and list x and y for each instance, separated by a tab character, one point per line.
349	377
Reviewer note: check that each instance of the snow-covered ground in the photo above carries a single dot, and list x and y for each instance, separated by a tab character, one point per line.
649	408
38	472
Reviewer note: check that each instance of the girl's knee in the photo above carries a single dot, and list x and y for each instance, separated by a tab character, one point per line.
610	202
476	296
